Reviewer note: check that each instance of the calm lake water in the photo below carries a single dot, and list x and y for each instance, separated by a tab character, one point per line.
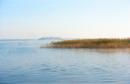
23	62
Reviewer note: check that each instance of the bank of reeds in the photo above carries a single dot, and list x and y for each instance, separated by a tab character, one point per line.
92	43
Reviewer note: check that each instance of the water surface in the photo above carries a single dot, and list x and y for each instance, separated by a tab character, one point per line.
23	62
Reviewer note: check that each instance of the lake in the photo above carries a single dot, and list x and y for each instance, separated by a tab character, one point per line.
24	62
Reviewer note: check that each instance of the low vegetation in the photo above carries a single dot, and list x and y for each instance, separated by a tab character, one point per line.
92	43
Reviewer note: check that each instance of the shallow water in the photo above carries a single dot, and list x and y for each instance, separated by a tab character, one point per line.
23	62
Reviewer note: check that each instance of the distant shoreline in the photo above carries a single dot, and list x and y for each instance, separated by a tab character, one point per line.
92	43
15	39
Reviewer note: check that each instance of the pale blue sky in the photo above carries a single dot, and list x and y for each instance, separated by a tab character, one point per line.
64	18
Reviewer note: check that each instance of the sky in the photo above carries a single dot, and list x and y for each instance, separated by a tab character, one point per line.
64	18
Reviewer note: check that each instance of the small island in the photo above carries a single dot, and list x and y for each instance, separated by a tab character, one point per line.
50	38
92	43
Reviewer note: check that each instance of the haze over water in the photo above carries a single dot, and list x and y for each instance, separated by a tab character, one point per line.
23	62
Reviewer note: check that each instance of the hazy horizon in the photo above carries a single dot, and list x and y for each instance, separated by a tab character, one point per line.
64	18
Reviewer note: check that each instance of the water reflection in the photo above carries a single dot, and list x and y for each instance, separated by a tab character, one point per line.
111	51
